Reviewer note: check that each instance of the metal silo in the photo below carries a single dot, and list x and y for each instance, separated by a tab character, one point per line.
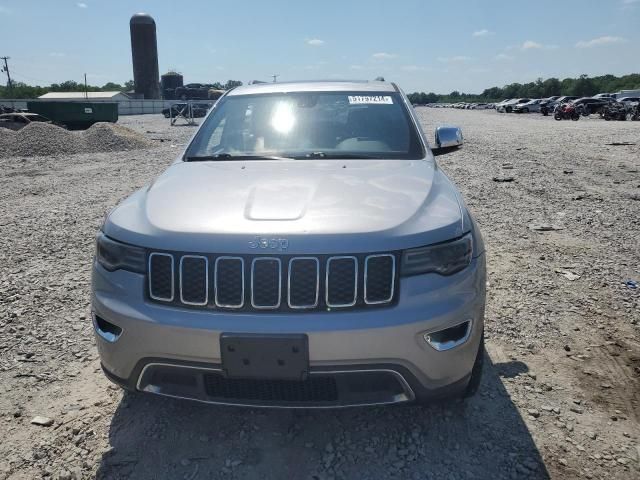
169	82
144	52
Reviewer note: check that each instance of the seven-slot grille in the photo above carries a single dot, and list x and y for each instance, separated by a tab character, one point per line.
272	283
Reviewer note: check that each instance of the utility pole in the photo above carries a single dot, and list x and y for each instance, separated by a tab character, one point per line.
86	95
274	78
6	69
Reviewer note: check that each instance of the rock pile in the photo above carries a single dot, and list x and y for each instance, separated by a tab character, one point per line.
109	137
44	139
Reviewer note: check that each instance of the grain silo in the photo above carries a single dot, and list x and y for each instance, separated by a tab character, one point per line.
169	82
144	52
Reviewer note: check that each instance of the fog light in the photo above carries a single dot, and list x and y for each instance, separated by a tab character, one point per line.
449	337
106	330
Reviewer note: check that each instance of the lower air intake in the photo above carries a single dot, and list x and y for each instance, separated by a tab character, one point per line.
313	389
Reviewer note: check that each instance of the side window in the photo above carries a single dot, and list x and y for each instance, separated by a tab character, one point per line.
230	132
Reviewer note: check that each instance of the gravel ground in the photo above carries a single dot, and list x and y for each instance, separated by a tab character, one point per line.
558	206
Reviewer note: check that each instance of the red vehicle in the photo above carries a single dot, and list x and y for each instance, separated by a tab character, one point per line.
566	111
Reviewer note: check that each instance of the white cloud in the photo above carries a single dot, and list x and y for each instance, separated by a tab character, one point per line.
454	59
503	57
57	54
384	55
82	5
600	41
355	67
482	33
314	42
531	45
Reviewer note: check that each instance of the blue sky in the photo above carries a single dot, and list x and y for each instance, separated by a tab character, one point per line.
422	45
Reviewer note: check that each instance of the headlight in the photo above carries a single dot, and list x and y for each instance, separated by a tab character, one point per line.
443	258
114	255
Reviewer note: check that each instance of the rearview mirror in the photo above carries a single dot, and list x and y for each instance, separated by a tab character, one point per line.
447	140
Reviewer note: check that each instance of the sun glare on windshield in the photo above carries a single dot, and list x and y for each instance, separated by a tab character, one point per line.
283	118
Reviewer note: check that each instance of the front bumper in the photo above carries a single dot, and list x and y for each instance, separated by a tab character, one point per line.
391	340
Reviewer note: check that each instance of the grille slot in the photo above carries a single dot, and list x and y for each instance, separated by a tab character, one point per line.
194	280
266	282
277	282
304	282
229	282
313	389
161	281
379	278
342	281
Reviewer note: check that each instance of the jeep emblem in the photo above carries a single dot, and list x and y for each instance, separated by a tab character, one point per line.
269	243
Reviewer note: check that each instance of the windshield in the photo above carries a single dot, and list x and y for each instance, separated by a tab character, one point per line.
308	125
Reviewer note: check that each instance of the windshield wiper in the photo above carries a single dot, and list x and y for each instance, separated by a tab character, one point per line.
334	155
230	156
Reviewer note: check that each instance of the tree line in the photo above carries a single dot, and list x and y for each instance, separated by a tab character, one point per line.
583	86
23	90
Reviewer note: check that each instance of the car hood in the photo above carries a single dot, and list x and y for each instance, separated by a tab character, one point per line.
304	206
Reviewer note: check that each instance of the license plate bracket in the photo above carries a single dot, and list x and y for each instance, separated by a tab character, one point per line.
277	356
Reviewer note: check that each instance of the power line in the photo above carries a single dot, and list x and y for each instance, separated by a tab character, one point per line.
6	69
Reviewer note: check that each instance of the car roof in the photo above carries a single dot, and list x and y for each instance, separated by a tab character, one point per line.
314	86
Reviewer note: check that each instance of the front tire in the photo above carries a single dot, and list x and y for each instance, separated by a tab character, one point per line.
476	372
525	110
557	116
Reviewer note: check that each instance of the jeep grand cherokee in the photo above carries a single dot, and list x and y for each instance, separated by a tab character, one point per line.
305	250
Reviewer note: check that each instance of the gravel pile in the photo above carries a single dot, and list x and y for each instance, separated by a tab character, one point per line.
109	137
44	139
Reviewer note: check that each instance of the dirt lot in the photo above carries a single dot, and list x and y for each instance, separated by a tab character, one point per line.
561	391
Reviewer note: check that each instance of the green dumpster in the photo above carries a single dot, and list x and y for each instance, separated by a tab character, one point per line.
76	115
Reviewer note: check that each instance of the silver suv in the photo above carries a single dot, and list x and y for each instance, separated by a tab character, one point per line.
305	250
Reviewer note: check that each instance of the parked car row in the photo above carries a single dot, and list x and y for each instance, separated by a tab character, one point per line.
603	104
462	105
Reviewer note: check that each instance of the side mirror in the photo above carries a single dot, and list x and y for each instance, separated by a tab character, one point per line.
448	139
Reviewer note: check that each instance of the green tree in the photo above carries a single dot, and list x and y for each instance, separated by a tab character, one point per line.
584	87
111	87
551	87
68	86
